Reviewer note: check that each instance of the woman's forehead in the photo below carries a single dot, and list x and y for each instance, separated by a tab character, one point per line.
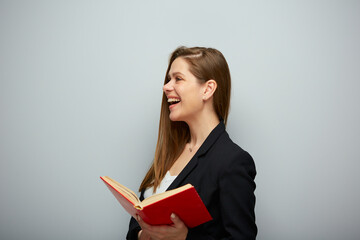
179	66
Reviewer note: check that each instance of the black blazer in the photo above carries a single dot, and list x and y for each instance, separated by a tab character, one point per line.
223	174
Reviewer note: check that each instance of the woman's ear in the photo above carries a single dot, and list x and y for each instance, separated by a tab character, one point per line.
210	87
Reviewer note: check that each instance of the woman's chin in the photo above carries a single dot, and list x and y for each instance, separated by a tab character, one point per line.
175	118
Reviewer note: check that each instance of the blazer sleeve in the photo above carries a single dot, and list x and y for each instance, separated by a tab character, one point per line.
134	229
237	199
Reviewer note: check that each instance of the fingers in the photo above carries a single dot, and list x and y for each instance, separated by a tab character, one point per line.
179	226
176	220
146	229
143	236
178	229
142	224
151	232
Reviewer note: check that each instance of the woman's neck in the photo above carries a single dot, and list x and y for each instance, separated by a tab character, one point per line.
201	127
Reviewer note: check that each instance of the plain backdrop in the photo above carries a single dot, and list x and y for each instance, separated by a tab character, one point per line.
80	92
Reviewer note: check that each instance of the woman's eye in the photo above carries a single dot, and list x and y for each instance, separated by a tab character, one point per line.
178	78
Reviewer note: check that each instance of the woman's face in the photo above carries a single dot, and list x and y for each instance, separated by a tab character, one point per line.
184	92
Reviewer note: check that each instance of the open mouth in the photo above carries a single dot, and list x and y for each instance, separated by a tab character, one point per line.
173	101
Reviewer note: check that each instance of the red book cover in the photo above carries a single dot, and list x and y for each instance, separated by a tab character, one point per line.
186	203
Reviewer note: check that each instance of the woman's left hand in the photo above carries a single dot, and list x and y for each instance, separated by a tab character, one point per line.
177	231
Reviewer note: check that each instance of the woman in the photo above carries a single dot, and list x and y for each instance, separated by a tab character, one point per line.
194	147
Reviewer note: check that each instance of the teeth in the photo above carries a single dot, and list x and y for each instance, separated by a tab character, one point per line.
172	100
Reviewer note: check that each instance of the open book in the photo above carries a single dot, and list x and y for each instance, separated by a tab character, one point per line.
156	210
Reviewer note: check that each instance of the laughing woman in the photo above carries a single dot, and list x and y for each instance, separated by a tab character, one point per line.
194	147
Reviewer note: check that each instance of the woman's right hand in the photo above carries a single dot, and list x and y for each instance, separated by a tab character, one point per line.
176	231
143	236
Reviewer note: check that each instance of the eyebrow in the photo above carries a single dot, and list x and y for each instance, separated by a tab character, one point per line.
175	73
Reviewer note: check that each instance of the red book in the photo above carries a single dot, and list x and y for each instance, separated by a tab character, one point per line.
184	201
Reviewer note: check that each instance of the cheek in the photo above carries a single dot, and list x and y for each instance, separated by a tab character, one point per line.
179	90
189	95
195	100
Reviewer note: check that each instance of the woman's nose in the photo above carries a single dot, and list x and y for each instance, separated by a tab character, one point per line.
168	86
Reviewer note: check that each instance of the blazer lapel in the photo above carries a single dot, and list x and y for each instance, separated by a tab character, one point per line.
209	141
184	173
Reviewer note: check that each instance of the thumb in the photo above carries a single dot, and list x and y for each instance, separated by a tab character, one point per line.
176	220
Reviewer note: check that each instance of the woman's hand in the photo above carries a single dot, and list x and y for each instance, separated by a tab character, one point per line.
177	231
143	236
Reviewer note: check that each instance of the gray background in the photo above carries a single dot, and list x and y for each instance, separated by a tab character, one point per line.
80	91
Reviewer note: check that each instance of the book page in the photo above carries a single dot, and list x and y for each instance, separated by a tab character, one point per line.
159	196
124	190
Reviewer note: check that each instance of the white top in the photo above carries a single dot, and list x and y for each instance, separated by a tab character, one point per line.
165	183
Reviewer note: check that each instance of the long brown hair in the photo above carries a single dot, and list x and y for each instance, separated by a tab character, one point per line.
204	64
